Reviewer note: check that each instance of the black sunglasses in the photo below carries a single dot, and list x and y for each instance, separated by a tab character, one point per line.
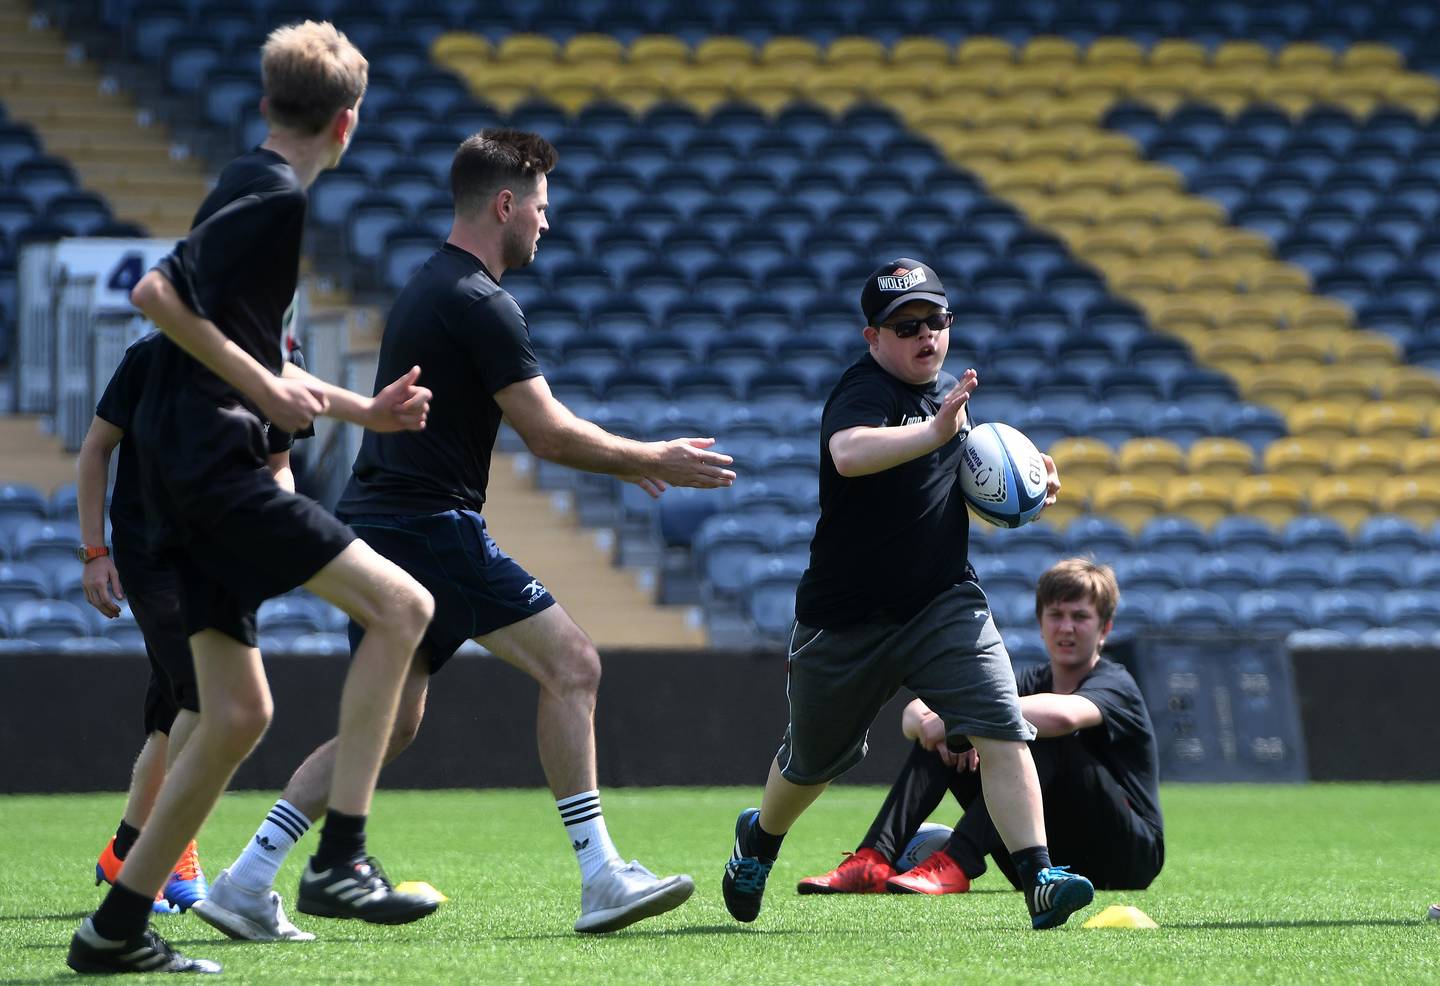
908	327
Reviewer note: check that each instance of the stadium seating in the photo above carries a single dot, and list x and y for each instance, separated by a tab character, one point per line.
1188	249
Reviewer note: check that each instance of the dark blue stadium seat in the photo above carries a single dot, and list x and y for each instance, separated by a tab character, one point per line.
1228	575
1249	536
769	591
1371	571
1194	611
48	621
1387	531
1098	536
1345	610
22	580
1250	423
1318	533
1149	573
1413	609
1169	534
1299	571
1272	612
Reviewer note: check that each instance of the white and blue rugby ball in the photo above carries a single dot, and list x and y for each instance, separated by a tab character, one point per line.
928	838
1002	475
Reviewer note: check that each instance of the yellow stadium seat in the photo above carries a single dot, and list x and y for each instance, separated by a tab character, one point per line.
1358	94
1366	348
984	50
1048	49
1278	278
702	91
1421	457
1155	458
582	49
1320	420
661	52
504	89
789	50
1220	458
1163	91
460	45
1349	501
1366	459
1203	499
1305	53
1288	93
1338	382
636	87
1242	55
1293	347
1231	90
929	53
1242	244
766	88
1417	93
1111	52
1410	383
1389	421
527	48
1080	110
1227	349
1371	54
1275	384
570	88
1082	461
1432	422
1128	500
724	49
1276	500
1091	81
1298	458
1064	511
1416	498
856	54
1170	52
835	90
1317	312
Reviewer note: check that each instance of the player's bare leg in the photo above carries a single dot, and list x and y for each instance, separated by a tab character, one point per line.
553	650
394	609
1012	792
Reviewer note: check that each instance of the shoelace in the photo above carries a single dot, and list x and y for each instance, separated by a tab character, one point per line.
750	874
188	867
1054	874
377	872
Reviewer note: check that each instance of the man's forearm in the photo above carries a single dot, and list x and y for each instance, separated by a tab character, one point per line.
572	441
157	298
92	476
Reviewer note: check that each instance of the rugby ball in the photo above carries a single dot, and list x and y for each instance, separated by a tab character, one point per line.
929	837
1002	475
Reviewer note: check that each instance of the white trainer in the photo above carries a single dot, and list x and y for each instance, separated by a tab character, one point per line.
627	892
247	915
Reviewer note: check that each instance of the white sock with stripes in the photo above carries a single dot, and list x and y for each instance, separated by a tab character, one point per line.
257	866
585	828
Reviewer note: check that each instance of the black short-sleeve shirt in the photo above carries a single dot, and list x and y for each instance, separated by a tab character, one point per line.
117	406
470	340
1125	739
887	543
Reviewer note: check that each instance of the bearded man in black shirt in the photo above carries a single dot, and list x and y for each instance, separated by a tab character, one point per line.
890	599
418	499
1095	754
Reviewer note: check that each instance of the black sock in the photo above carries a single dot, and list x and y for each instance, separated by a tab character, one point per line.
963	851
762	843
1029	863
123	914
125	837
341	840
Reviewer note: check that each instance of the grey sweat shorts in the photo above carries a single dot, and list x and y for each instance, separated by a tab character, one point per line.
949	654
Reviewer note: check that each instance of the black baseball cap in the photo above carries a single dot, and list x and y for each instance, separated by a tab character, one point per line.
894	283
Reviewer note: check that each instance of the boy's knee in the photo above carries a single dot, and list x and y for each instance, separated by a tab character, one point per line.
237	726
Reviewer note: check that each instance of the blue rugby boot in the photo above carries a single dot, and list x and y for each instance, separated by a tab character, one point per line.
1057	895
187	883
745	874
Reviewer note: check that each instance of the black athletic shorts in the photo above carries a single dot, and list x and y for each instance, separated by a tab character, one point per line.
478	588
153	592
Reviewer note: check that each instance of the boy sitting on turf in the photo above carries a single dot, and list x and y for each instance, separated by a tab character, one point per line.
1095	754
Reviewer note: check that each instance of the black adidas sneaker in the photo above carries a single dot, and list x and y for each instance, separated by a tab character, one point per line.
147	952
359	889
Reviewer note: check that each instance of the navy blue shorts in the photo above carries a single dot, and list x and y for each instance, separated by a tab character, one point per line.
478	588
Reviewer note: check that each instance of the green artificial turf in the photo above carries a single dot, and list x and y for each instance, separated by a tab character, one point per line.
1317	884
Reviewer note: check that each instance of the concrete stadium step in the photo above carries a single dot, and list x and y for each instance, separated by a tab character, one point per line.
32	455
608	602
79	117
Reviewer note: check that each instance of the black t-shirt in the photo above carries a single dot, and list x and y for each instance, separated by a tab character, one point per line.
470	340
117	406
888	543
1125	739
240	263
